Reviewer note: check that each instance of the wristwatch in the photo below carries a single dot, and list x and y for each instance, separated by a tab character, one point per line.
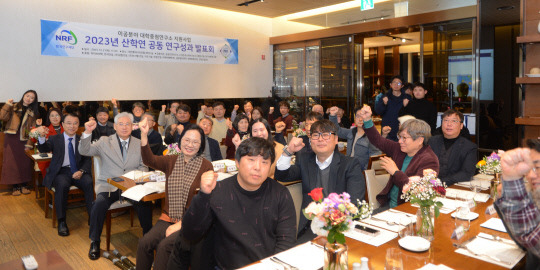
287	152
83	171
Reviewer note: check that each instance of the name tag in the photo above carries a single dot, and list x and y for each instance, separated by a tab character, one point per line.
219	166
232	168
471	203
490	210
458	233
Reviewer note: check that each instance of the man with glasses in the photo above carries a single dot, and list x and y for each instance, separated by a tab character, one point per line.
457	155
325	167
389	105
519	203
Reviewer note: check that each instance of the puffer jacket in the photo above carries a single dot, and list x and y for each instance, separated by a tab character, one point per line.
12	121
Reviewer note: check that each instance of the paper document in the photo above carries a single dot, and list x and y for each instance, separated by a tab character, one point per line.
494	224
374	240
305	256
503	253
137	192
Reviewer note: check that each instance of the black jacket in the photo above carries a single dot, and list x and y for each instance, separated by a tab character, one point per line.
215	152
461	162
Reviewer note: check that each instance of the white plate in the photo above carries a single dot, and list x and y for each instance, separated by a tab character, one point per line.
472	216
414	243
532	75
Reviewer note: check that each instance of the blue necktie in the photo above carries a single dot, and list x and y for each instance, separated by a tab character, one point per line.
71	155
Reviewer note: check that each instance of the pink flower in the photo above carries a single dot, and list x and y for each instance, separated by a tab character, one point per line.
406	188
414	179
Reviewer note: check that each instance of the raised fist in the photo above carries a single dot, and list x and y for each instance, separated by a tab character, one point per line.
114	102
405	102
271	111
173	129
280	126
333	110
144	127
163	108
229	123
39	122
295	145
90	126
208	181
236	140
10	101
385	131
179	128
203	108
385	100
366	113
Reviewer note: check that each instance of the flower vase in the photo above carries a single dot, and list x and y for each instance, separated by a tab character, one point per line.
335	256
425	222
494	184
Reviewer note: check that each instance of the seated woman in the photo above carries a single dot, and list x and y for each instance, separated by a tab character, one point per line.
54	119
407	157
240	126
211	150
260	128
183	173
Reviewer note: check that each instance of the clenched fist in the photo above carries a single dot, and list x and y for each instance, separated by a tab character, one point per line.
296	144
280	126
90	126
208	181
405	102
236	140
385	100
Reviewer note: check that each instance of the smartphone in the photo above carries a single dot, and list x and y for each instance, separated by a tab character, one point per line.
366	230
117	179
43	155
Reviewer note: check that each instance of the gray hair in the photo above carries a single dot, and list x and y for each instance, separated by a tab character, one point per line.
121	115
150	114
416	128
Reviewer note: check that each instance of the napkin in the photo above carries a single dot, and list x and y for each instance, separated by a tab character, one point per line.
305	256
377	240
387	216
479	197
431	266
494	224
483	180
504	251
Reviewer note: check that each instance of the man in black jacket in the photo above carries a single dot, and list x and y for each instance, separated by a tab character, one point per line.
104	126
457	155
68	168
325	167
420	107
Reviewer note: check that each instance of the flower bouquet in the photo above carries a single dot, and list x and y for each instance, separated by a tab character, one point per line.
423	191
172	149
489	164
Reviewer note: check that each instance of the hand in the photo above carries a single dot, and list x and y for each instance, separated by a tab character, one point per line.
208	181
173	228
280	126
386	130
405	102
163	108
236	107
333	110
203	108
10	101
114	102
144	127
229	123
90	126
39	122
77	175
43	131
389	165
179	128
365	113
271	111
248	115
236	140
516	163
296	144
173	129
385	100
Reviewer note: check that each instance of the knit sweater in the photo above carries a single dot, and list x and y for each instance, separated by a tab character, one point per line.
421	109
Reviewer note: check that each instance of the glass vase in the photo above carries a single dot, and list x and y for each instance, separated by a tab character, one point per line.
335	256
494	184
425	222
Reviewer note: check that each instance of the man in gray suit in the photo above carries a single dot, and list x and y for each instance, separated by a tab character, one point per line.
119	153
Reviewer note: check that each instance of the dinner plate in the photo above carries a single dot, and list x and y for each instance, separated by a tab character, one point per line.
532	75
414	243
472	216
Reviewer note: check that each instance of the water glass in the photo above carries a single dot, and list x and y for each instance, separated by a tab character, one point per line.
394	259
408	226
462	217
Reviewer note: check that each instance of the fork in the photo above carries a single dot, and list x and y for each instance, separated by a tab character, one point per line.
284	264
481	254
389	223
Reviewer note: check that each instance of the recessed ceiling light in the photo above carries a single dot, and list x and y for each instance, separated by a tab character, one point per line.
505	8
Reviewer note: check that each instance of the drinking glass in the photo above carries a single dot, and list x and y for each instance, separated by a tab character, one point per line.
408	226
475	187
462	217
394	259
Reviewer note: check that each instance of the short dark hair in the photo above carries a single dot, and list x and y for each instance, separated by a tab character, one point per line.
71	109
184	107
284	103
102	109
237	120
138	104
218	103
356	109
324	125
255	146
314	116
48	121
260	111
534	144
201	132
248	101
452	112
408	86
399	78
419	84
209	104
72	115
266	125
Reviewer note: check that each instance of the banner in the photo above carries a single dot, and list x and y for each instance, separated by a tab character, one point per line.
110	42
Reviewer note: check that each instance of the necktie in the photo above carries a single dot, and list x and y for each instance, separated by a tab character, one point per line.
71	155
124	150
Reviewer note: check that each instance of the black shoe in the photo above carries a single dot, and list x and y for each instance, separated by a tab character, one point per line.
63	228
94	253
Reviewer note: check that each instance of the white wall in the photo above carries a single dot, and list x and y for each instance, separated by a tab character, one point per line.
23	67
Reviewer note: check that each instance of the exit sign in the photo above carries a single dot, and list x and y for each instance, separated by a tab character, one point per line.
366	4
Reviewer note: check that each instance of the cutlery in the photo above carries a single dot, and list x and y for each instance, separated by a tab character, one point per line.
284	264
494	238
464	246
389	223
403	213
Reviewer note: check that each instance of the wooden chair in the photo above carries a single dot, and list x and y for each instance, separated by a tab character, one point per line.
74	195
374	163
118	206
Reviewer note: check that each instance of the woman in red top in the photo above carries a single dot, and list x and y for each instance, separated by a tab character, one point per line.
54	122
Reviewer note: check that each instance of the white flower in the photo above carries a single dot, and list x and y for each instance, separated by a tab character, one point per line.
317	227
314	208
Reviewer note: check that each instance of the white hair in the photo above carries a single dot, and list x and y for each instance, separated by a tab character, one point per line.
121	115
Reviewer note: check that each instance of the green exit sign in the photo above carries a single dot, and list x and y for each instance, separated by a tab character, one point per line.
366	4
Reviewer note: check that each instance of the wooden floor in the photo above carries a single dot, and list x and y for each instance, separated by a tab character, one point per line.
24	230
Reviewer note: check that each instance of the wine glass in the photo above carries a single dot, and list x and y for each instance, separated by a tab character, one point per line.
462	217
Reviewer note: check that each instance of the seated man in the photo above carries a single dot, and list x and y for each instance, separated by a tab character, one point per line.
358	145
154	138
457	155
325	167
165	120
68	168
219	126
211	150
519	203
104	127
253	215
119	154
284	108
207	110
311	118
183	114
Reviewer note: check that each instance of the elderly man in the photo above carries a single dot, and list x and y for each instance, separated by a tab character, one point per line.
253	215
519	204
119	154
457	155
68	168
165	120
325	167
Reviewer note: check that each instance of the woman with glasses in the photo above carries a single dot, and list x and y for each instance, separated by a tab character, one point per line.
410	156
389	105
54	120
183	173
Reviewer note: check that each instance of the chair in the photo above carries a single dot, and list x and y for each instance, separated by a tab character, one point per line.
223	148
374	185
296	194
37	175
74	195
375	164
118	206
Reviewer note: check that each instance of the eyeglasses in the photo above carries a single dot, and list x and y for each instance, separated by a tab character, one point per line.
124	124
448	121
397	83
403	137
325	135
194	143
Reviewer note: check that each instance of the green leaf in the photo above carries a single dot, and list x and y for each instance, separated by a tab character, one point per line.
340	238
439	204
330	236
436	211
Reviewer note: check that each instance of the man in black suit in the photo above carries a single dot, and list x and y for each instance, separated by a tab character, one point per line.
68	168
457	155
325	167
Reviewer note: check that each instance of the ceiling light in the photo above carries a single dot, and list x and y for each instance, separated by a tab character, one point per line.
505	8
326	9
403	40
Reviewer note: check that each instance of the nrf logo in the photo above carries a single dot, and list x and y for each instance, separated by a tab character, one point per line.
67	36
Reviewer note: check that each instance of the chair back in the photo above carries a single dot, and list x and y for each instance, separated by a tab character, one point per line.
375	164
296	194
96	167
374	185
